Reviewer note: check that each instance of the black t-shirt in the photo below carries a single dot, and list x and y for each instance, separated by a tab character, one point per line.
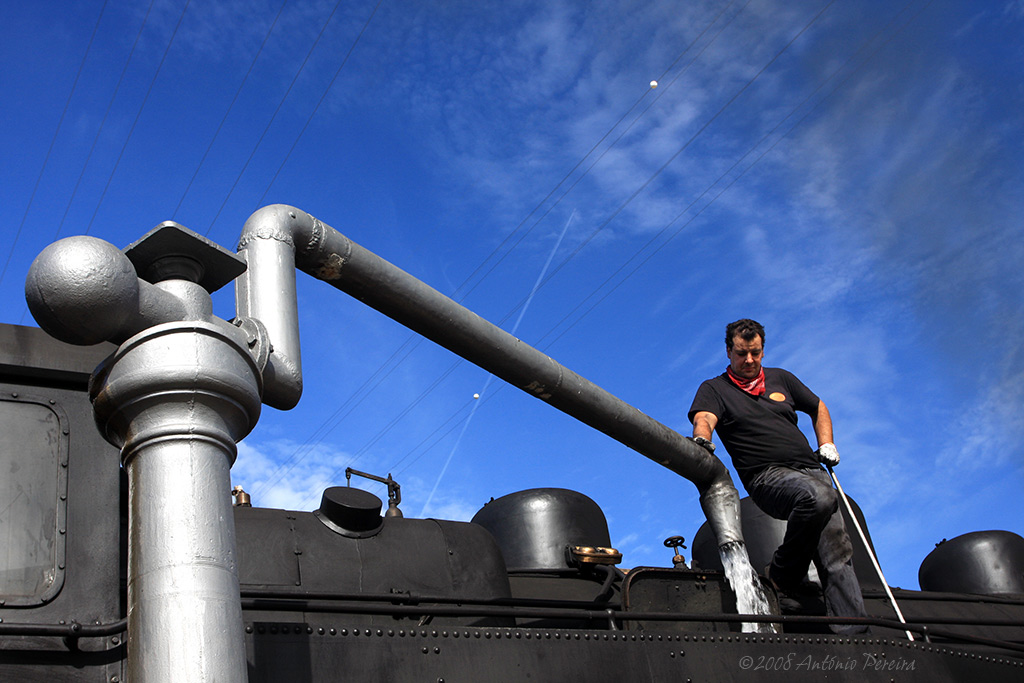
759	430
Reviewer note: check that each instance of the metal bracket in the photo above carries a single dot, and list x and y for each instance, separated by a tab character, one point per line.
394	489
173	252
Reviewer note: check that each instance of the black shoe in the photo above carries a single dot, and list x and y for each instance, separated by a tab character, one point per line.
801	589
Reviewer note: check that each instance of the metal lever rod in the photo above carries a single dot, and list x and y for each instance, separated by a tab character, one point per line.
867	546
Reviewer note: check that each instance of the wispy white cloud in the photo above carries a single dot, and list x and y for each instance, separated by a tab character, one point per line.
285	474
988	433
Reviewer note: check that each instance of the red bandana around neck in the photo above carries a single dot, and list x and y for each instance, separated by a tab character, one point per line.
754	386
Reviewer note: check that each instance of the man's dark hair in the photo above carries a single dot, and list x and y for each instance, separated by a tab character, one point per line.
746	329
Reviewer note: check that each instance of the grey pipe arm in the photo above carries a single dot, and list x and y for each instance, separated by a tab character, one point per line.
278	238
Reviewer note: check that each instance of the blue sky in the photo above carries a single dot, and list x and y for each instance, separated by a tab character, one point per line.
847	173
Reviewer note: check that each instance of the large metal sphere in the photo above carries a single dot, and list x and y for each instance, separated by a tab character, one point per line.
82	290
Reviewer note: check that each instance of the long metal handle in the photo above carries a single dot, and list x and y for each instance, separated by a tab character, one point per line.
867	546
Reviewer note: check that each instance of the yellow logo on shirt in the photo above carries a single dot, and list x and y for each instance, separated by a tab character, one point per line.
776	396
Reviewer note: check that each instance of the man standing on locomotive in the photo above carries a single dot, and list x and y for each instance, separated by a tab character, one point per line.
754	408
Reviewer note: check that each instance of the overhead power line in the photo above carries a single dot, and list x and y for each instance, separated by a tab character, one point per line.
138	114
231	106
594	148
736	178
53	141
273	117
728	171
103	121
683	148
323	429
319	102
649	180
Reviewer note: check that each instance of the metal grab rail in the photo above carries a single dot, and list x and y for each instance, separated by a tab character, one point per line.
69	630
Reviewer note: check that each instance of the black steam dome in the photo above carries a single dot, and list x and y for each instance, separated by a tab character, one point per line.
350	512
534	527
981	562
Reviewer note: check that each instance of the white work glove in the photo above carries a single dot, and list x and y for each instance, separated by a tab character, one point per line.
828	455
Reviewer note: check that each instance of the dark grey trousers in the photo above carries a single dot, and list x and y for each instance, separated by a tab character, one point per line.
804	497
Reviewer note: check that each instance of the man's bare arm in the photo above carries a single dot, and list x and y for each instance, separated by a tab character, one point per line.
822	425
704	424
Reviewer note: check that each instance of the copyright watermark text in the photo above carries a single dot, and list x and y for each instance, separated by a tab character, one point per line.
792	661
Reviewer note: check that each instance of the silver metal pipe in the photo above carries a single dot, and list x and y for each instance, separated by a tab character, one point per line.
268	247
326	254
175	397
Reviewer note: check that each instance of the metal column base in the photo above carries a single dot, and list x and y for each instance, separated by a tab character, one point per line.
176	398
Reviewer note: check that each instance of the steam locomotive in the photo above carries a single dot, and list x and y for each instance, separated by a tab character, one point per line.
125	556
